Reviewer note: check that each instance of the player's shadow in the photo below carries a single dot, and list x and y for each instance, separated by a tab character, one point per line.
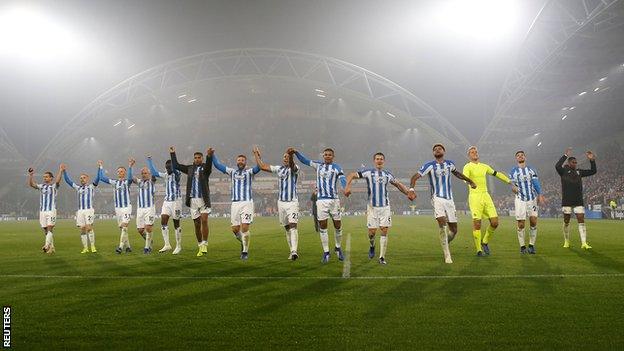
535	263
600	260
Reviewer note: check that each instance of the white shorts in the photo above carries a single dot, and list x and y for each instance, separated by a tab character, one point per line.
288	212
173	209
123	214
198	207
577	209
145	216
85	217
525	208
377	217
242	212
47	218
444	208
328	208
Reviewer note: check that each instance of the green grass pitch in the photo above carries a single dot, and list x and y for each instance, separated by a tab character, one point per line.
557	299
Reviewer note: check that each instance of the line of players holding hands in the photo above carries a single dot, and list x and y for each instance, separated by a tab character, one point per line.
522	178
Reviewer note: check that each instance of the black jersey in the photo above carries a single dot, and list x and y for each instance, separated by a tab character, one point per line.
571	183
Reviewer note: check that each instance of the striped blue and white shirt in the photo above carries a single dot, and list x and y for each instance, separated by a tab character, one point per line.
525	178
85	192
377	183
287	182
47	196
145	198
327	176
240	180
439	178
122	188
196	189
172	181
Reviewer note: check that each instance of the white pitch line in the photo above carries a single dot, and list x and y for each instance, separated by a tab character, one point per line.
346	267
394	277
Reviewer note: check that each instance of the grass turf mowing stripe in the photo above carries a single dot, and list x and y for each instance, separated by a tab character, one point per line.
396	277
346	267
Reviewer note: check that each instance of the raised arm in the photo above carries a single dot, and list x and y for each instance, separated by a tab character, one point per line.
31	180
592	163
174	161
68	179
499	175
303	159
559	164
208	165
97	177
102	175
218	165
259	163
130	164
57	181
152	168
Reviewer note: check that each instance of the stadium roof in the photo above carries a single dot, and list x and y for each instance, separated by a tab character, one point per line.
566	86
174	81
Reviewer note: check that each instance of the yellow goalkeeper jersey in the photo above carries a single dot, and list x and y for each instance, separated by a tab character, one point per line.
477	173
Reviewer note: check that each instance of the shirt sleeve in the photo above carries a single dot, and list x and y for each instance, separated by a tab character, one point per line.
426	168
228	170
274	169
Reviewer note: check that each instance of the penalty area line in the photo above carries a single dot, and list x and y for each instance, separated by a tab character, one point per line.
395	277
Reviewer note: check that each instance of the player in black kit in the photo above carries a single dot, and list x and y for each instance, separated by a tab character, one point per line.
572	194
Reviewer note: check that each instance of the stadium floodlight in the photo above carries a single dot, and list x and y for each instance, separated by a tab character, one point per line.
391	114
182	96
536	134
116	124
479	19
319	90
192	100
564	117
572	108
131	126
582	93
602	79
26	32
539	144
320	95
596	89
564	109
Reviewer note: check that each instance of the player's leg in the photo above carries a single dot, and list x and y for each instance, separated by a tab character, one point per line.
532	233
247	213
443	236
580	218
178	230
164	226
383	244
336	217
245	236
89	220
205	229
80	223
50	239
476	235
323	216
488	234
451	220
44	248
372	223
475	204
292	216
567	212
282	215
520	230
148	237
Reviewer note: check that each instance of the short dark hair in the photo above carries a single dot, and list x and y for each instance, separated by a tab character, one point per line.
380	154
198	153
571	158
241	155
50	174
329	149
519	151
122	167
438	144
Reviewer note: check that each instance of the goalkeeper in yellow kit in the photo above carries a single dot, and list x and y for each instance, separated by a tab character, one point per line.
479	200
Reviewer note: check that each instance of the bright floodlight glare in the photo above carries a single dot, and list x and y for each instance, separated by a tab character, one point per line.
582	93
182	96
319	90
539	144
131	126
596	89
603	79
192	100
572	108
390	114
536	134
564	117
480	19
320	95
27	33
116	124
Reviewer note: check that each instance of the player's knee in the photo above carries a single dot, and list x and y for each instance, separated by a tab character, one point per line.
520	225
